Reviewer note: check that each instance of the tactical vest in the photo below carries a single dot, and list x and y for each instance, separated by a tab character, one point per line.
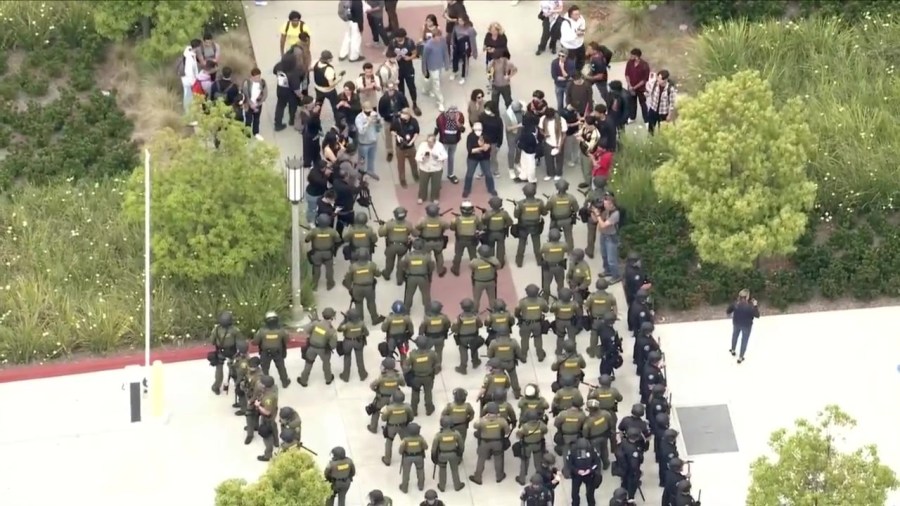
483	271
397	414
532	406
242	366
570	366
359	237
363	275
572	423
319	75
532	433
421	363
340	469
447	441
581	273
388	384
225	339
491	429
598	306
271	340
532	310
565	311
354	330
565	398
496	222
467	325
554	253
397	325
497	382
418	265
415	445
397	232
606	398
435	326
318	337
431	229
531	211
505	410
504	351
459	414
560	207
322	240
251	380
499	320
597	425
465	227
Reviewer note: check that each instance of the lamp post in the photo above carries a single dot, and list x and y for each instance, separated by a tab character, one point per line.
294	176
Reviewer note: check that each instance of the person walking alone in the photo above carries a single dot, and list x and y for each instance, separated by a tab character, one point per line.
431	156
742	312
571	36
463	45
435	61
351	13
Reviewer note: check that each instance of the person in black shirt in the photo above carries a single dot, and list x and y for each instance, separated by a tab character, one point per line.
289	85
310	130
317	182
617	105
325	206
344	192
493	134
405	49
607	128
742	312
479	156
550	474
570	150
406	132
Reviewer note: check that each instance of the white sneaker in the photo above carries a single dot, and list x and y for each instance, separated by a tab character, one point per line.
571	164
513	174
547	178
258	137
557	178
462	81
452	76
441	108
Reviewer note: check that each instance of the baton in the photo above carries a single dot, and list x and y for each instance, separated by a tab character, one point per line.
433	470
642	494
314	454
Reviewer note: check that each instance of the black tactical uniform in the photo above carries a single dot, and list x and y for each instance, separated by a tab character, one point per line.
629	458
639	311
634	277
583	463
644	344
636	421
651	375
536	494
666	451
610	345
674	475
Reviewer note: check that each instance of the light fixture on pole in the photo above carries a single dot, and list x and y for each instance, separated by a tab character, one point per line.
294	182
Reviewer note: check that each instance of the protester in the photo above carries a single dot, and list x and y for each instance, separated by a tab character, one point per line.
500	73
290	32
432	157
637	75
660	101
463	47
572	36
449	128
352	16
368	128
435	61
255	93
479	155
550	16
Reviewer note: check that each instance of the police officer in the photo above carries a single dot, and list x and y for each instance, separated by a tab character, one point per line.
583	461
608	398
360	281
629	457
321	341
495	385
599	305
447	451
423	364
289	419
658	426
532	402
224	337
550	474
496	228
436	327
432	229
553	262
635	278
683	495
636	421
531	445
644	344
415	269
578	278
396	417
431	499
569	365
536	494
467	227
377	498
666	450
240	366
267	407
323	240
492	432
465	332
289	440
674	475
253	389
506	410
651	376
484	276
610	345
598	430
529	213
339	473
563	208
569	424
359	236
398	330
639	311
412	453
460	413
567	396
593	198
565	315
620	498
530	312
272	342
657	405
397	234
509	354
355	335
389	382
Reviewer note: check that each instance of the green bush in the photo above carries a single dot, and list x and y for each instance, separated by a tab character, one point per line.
29	24
632	179
292	477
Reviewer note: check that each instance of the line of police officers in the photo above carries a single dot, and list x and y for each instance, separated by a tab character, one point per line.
585	439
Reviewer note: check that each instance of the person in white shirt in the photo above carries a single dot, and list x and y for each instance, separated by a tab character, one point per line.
254	89
571	36
550	21
368	84
432	158
554	136
189	71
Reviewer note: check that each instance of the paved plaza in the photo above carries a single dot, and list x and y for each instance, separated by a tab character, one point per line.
70	437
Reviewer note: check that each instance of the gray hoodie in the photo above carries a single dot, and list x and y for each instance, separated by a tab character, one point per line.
435	55
461	33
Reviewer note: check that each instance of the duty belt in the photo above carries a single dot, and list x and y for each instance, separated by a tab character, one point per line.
397	424
414	454
311	345
432	239
556	264
527	322
434	335
465	237
364	284
416	275
402	243
421	375
493	439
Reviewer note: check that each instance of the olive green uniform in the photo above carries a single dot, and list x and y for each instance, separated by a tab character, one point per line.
530	312
436	327
447	451
537	405
564	322
598	431
609	399
384	387
466	229
566	398
412	453
497	321
592	195
598	305
339	473
496	229
424	367
531	439
432	231
494	386
465	333
272	344
355	334
568	429
484	280
461	415
398	329
492	432
509	353
529	220
396	235
323	242
241	368
415	269
295	424
360	280
269	401
506	412
578	278
563	212
322	340
360	238
553	266
253	390
396	416
224	339
570	366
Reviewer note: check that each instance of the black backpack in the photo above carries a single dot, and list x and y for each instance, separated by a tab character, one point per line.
623	218
222	93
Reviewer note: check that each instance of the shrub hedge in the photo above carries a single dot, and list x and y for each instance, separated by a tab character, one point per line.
852	248
712	12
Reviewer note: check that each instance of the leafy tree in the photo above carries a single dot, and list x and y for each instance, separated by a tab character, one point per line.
165	26
292	478
216	211
739	171
811	469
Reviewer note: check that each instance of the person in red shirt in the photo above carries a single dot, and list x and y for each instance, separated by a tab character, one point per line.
637	73
603	161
